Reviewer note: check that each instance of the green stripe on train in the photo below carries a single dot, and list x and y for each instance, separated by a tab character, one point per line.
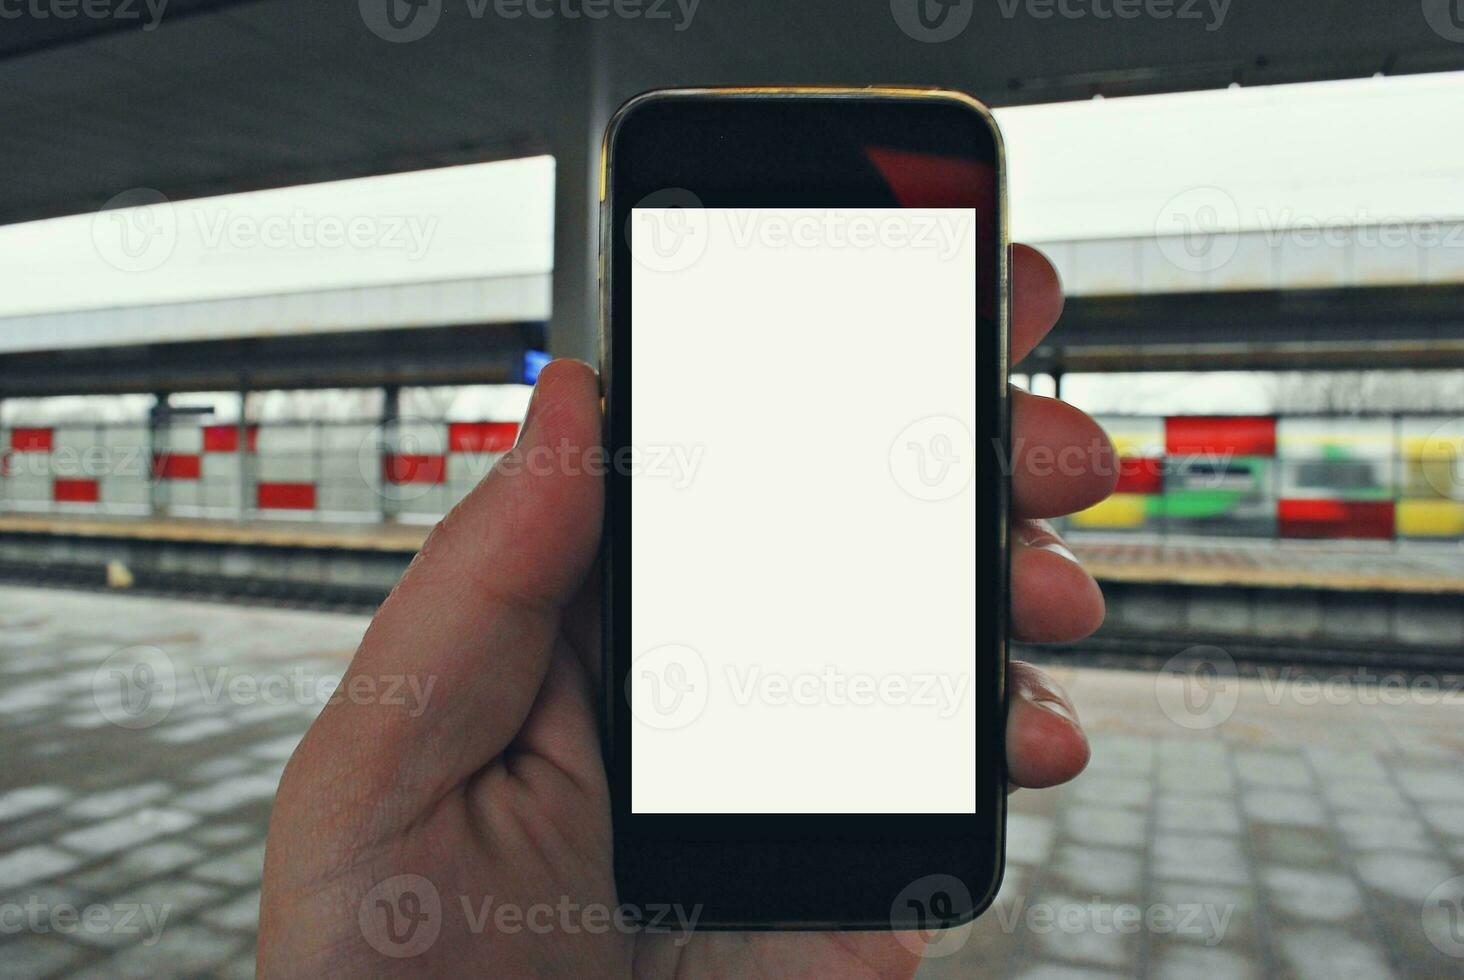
1195	503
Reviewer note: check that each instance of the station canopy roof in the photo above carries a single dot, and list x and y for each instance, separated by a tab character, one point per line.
201	97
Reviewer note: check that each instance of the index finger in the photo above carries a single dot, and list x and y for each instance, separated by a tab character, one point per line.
1037	299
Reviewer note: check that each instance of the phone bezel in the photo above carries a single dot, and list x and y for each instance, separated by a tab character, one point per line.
800	871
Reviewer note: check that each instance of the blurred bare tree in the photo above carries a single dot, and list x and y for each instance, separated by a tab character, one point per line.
1299	392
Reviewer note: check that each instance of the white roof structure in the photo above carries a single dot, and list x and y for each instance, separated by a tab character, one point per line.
469	244
1349	183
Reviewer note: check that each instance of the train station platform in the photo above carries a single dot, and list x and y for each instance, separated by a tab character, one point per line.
1243	562
1268	829
1359	601
1379	603
1416	568
385	537
355	564
1343	566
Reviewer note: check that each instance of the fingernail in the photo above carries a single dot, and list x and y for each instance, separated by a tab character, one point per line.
1059	708
1039	536
1059	549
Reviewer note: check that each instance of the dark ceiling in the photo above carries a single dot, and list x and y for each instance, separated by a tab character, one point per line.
221	95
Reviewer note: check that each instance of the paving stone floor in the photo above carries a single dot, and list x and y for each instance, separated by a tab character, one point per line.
1226	827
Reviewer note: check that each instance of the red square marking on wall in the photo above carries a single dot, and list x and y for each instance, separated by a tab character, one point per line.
409	468
225	438
286	496
177	466
76	491
481	437
30	440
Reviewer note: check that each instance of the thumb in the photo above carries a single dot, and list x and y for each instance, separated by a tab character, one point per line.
470	627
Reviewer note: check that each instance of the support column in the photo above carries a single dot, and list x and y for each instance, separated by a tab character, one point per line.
246	455
583	71
391	411
157	421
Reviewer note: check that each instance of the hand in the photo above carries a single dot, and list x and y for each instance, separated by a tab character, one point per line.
497	790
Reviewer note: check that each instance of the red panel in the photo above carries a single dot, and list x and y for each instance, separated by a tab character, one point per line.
286	496
1140	476
1335	518
481	437
225	438
30	440
1225	435
76	491
405	468
220	439
927	180
177	466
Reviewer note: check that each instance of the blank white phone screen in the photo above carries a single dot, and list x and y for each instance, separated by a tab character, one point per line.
803	566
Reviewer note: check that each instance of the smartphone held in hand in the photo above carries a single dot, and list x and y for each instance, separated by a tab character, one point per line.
804	357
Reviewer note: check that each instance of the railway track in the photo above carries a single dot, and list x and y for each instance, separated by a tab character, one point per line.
1117	648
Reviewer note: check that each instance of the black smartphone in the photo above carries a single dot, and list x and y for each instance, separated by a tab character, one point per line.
804	320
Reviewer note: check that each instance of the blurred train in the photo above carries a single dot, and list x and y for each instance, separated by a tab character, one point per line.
1379	477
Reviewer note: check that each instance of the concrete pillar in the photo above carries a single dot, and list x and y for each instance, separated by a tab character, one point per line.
246	457
157	421
391	411
583	73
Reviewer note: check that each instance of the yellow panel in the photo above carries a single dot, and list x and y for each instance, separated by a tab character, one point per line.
1430	518
1119	510
1130	446
1433	447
